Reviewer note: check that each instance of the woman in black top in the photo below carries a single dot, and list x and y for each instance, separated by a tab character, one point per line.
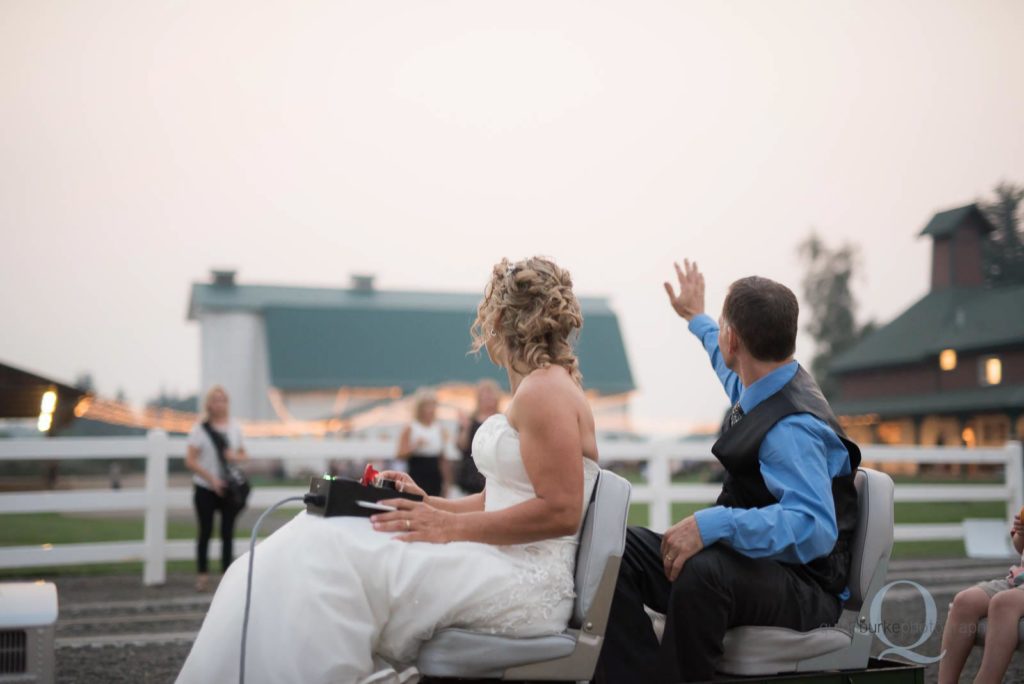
203	459
487	394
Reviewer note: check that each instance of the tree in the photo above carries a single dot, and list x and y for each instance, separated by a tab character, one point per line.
85	382
172	400
832	322
1004	248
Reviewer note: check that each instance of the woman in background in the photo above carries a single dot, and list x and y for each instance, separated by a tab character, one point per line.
208	478
422	445
470	480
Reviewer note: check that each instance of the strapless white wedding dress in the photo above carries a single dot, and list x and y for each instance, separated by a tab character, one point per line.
334	601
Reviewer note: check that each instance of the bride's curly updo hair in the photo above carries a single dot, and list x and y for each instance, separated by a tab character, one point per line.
529	306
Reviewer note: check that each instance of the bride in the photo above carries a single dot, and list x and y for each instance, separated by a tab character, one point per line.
352	599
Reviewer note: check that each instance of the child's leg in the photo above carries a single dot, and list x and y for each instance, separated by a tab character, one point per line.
1004	613
969	606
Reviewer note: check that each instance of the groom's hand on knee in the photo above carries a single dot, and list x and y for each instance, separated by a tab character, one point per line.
680	543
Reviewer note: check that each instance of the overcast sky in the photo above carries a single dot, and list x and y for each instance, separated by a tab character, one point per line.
142	143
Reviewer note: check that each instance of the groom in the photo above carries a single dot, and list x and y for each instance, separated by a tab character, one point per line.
775	549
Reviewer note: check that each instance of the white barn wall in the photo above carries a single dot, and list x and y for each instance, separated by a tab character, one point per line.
233	353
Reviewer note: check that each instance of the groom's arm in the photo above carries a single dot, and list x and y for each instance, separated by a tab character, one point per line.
705	329
689	305
794	460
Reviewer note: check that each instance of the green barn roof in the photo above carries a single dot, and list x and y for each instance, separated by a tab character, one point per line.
324	338
964	319
975	399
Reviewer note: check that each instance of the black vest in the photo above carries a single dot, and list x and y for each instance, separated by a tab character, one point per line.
738	447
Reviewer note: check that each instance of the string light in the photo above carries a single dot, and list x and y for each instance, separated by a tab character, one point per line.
454	399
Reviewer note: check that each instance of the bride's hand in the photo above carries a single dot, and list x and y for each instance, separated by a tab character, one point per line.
418	521
403	482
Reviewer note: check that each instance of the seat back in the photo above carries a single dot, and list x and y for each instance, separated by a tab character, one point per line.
602	538
872	546
873	538
758	651
570	656
601	544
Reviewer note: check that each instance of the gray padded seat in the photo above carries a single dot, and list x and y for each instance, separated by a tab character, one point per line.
759	651
488	655
572	655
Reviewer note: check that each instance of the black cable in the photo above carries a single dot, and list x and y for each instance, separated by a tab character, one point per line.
308	498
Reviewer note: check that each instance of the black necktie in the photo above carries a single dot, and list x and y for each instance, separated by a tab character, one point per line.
735	414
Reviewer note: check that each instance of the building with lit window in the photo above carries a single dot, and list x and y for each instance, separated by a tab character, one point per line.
950	369
30	402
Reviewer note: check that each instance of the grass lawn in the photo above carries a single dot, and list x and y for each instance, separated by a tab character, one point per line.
26	529
134	568
22	529
931	512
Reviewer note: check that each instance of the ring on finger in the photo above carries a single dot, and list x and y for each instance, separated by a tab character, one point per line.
408	524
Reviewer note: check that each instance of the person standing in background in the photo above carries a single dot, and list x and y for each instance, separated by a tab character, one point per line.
208	479
470	480
422	445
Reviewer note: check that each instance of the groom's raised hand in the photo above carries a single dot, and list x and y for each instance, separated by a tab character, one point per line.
690	300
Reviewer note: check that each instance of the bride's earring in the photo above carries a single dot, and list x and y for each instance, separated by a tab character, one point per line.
493	333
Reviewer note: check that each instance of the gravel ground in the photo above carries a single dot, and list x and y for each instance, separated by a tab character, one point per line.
120	605
114	664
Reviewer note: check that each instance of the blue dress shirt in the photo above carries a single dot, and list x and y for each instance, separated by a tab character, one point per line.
798	458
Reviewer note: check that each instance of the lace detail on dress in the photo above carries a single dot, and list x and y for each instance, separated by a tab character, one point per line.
541	588
541	591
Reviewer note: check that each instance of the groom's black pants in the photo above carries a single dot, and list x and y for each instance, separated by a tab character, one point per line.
718	588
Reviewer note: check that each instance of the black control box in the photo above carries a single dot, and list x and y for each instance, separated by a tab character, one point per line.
341	496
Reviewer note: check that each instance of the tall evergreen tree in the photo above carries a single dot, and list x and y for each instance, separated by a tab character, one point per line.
1004	249
831	319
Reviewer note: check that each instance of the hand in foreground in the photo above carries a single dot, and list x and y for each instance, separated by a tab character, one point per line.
403	482
1018	526
418	521
679	544
690	300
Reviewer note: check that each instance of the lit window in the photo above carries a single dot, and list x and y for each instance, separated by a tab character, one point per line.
990	371
947	359
46	407
48	402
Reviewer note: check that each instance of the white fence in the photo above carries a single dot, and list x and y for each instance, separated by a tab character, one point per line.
156	498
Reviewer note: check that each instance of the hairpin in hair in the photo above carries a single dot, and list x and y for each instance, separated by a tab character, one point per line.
511	270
